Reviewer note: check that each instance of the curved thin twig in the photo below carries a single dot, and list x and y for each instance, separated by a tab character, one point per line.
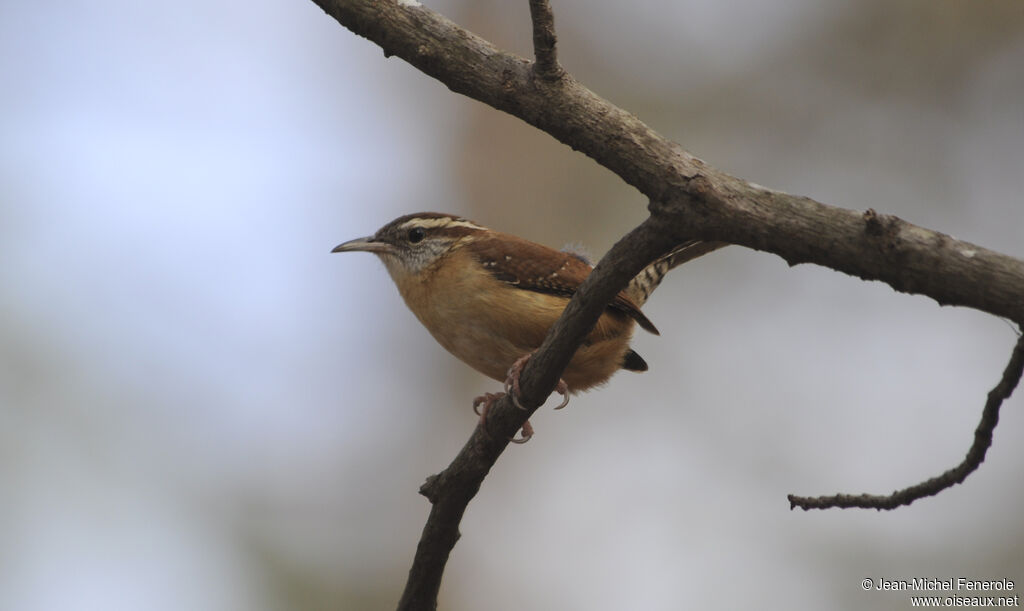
975	456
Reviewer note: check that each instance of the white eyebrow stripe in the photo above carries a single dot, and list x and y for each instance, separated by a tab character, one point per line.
431	223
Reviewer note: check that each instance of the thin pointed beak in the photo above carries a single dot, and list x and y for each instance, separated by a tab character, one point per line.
367	244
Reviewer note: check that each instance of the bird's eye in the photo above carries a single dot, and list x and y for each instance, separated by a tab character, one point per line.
416	234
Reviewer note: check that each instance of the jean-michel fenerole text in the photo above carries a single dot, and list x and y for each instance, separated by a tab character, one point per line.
954	584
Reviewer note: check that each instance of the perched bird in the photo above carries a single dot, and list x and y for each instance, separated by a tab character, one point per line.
489	297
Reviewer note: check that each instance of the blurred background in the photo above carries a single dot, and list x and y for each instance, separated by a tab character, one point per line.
201	408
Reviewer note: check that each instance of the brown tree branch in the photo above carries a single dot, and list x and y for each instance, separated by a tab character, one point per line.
975	455
451	490
704	202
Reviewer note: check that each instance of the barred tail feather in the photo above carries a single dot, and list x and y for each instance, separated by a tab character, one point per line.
641	287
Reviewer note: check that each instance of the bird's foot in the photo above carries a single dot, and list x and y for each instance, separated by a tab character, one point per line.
512	383
483	403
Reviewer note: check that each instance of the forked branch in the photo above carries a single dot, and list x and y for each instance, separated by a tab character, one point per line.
689	200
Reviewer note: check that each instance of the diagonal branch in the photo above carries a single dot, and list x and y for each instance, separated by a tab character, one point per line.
451	490
975	455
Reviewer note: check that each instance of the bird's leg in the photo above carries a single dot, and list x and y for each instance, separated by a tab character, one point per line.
512	383
483	403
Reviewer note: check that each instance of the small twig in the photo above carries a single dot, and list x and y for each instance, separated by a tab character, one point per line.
544	41
975	456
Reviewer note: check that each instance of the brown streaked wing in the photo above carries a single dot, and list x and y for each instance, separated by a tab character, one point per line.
535	267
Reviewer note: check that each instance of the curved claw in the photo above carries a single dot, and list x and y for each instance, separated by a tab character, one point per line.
527	434
562	389
483	402
515	401
512	380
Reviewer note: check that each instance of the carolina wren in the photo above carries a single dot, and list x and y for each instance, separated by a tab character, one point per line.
489	298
